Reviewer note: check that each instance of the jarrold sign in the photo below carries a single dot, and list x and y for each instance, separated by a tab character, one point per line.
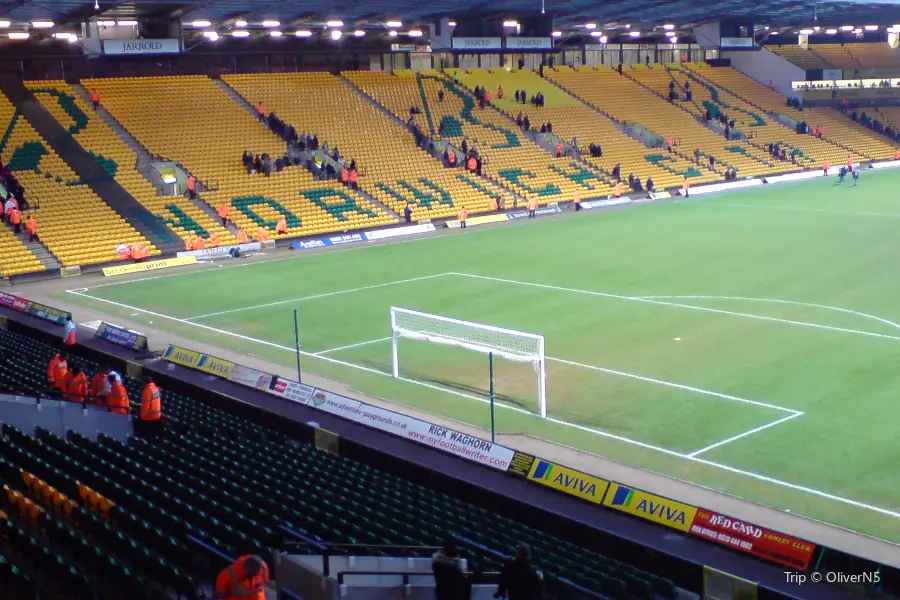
138	47
475	44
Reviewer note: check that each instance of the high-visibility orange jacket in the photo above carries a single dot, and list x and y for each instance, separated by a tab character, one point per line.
15	217
452	157
896	154
463	214
199	243
57	371
533	204
95	96
345	175
98	384
850	162
151	403
222	211
472	164
259	108
76	388
281	227
559	148
231	584
192	183
117	399
618	192
354	176
31	225
189	242
492	203
213	239
242	237
262	235
825	165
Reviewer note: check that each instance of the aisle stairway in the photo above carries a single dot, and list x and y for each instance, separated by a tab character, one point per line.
72	221
91	171
207	132
232	484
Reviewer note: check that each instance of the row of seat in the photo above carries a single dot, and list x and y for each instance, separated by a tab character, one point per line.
73	222
207	131
232	484
95	136
849	56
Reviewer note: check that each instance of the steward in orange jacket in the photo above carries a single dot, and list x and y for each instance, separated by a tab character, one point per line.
213	239
242	236
262	235
98	385
151	402
117	399
281	227
245	579
76	386
57	371
222	211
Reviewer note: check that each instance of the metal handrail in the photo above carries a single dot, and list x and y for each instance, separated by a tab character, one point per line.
405	574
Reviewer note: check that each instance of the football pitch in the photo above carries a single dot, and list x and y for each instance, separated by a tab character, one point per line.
748	342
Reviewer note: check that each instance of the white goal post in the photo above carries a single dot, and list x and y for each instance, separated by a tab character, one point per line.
512	345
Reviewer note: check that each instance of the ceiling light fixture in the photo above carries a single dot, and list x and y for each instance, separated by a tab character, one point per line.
627	26
4	24
336	34
211	35
556	34
42	24
831	31
451	23
668	27
394	24
590	26
634	33
871	28
510	23
415	33
596	34
806	32
846	27
334	23
603	39
303	33
359	33
106	23
858	30
392	33
19	35
271	23
127	23
200	23
816	28
670	34
674	40
240	34
275	33
240	23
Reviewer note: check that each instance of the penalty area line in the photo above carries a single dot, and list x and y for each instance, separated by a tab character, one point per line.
348	346
697	459
745	434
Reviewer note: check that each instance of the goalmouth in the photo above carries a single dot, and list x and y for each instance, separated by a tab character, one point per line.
517	346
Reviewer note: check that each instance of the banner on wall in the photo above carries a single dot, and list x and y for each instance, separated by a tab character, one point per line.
477	43
121	336
650	507
141	47
529	43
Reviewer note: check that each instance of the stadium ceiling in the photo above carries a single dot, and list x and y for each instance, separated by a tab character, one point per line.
609	14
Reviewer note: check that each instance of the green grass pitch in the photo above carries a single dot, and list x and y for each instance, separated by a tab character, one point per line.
749	342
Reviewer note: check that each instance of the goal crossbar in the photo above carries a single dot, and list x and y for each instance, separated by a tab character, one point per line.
517	346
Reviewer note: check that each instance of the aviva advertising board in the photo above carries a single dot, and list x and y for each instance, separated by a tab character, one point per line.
575	483
650	506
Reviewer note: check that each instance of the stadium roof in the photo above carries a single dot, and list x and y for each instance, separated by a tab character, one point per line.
568	13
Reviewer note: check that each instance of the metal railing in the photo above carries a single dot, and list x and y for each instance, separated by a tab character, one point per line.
407	574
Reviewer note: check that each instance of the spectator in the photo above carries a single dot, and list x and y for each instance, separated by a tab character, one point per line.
519	116
440	95
649	184
95	99
549	124
246	578
450	580
407	214
521	62
617	171
519	580
526	123
543	128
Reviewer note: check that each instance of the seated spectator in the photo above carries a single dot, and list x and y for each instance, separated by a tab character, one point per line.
649	184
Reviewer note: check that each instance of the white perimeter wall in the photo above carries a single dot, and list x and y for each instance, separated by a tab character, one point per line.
764	65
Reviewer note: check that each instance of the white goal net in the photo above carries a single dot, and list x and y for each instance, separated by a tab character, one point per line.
512	345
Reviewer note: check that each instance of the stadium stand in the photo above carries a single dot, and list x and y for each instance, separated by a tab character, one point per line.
836	55
392	168
509	157
808	150
207	133
113	513
571	118
73	222
874	56
119	160
15	258
802	57
628	101
840	131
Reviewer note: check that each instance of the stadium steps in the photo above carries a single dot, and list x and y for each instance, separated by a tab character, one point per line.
144	157
232	93
89	170
40	251
519	199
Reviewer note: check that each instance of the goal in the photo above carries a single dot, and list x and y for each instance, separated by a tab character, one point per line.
512	345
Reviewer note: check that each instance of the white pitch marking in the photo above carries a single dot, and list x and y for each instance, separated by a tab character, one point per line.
679	386
680	305
696	459
773	301
797	209
316	296
745	434
357	345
